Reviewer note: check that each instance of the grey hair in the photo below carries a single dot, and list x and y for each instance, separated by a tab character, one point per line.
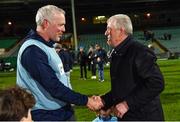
122	20
47	12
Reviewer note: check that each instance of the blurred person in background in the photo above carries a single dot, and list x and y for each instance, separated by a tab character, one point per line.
89	56
82	60
72	54
93	64
65	58
101	57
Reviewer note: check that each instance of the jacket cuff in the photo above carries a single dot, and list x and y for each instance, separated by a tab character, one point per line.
130	103
85	100
107	102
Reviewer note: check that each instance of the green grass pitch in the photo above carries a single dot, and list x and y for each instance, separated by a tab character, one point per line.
170	97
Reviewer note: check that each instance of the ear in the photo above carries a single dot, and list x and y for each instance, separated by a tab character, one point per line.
122	29
45	24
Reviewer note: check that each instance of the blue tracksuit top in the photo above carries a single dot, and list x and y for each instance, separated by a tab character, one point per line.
40	70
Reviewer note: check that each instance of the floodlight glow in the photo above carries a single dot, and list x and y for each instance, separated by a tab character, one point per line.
9	23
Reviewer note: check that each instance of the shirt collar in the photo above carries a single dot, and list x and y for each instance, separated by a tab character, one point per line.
34	35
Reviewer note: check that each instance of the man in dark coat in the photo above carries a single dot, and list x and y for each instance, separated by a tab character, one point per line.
82	59
136	80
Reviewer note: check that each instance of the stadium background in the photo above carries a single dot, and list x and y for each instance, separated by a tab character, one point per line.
155	16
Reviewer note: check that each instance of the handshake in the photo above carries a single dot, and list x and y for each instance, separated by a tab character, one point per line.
95	103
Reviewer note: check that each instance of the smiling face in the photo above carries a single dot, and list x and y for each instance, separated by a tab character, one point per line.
119	27
56	27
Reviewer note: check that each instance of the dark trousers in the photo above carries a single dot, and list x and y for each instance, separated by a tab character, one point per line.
83	71
89	65
94	69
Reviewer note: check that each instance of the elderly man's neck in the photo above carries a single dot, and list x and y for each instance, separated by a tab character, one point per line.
121	39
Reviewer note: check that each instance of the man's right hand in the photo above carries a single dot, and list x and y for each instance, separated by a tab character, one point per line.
94	103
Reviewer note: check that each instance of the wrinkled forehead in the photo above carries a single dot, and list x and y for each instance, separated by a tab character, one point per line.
59	17
58	13
110	23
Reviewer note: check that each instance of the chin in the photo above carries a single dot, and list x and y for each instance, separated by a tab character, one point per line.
108	42
57	39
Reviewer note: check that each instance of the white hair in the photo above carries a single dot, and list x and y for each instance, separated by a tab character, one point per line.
47	12
122	20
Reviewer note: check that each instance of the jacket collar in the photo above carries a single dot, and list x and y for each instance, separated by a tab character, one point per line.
122	47
34	35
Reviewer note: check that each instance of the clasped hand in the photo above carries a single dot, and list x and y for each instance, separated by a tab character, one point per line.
118	110
95	103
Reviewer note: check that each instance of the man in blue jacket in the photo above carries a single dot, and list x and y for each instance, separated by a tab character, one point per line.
40	70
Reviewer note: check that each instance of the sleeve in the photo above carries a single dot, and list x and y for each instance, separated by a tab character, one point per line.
35	61
107	100
152	82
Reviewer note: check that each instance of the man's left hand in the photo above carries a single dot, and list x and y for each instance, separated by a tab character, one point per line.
120	109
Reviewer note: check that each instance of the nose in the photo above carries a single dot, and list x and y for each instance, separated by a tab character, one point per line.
63	28
106	33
